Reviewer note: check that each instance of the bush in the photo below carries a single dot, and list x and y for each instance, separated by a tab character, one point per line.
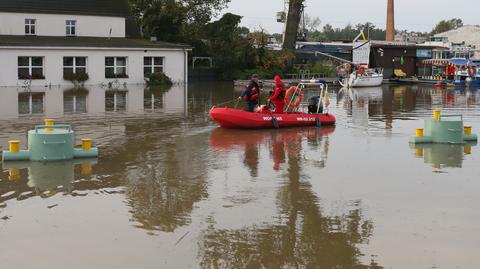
158	79
323	67
76	78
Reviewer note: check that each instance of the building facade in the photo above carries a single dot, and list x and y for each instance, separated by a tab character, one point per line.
404	56
465	39
44	42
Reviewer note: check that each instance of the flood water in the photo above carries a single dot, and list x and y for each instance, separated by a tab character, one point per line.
171	190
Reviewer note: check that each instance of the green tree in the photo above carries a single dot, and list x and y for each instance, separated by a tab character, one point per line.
175	20
227	44
447	25
164	20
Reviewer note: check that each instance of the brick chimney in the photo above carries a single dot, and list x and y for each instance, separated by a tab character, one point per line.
390	21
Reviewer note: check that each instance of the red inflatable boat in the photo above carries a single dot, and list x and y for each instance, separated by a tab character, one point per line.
240	119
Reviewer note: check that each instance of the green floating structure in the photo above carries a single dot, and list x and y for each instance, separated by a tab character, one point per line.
50	142
444	130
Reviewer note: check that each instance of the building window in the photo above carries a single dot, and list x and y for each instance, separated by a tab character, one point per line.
30	26
152	65
116	67
30	68
74	65
71	28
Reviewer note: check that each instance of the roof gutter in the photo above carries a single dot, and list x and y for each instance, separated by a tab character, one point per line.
95	48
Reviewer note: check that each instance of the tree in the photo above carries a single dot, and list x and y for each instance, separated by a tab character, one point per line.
293	20
312	23
349	32
227	44
447	25
175	20
164	20
309	27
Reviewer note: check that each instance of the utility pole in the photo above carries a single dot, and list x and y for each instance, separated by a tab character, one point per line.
295	9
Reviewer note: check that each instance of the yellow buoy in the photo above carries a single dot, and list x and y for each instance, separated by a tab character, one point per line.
86	144
49	122
14	146
467	130
467	150
419	132
436	115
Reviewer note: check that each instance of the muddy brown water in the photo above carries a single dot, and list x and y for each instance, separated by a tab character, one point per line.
171	190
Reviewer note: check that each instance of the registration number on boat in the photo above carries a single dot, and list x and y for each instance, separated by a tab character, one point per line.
271	118
305	119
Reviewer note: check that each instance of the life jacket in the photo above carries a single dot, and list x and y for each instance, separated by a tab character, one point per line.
253	95
282	93
281	96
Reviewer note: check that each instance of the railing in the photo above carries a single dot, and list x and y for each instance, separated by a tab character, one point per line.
40	127
305	75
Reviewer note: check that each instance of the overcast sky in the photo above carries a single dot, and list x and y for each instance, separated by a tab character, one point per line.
417	15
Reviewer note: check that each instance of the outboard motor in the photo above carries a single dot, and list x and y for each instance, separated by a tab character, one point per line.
313	105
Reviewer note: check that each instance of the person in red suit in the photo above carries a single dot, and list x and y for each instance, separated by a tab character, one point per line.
278	97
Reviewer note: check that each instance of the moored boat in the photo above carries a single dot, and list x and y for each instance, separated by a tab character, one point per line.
239	119
367	78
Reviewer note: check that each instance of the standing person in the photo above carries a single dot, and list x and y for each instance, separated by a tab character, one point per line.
278	97
251	94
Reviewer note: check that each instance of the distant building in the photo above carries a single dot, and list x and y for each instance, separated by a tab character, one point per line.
410	37
44	40
466	37
445	49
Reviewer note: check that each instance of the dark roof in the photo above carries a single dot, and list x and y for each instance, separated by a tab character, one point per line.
115	8
102	42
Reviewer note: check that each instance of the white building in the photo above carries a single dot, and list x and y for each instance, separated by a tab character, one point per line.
446	49
41	41
464	38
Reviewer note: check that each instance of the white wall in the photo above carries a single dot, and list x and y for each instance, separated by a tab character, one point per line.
174	64
54	25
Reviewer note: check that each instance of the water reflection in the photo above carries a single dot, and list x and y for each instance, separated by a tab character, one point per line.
116	101
303	236
59	101
240	199
443	155
28	179
379	107
31	103
362	103
75	101
164	177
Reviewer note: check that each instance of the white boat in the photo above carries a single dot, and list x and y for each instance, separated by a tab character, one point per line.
369	78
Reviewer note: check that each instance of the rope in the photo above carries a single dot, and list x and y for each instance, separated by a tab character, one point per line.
227	102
